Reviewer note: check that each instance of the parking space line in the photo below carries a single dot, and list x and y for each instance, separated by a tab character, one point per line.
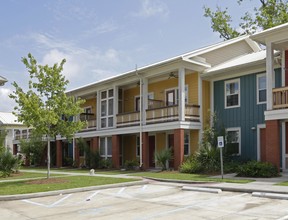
34	203
144	187
121	190
61	200
91	196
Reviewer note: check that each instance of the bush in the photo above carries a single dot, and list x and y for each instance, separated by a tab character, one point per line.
162	158
258	169
105	164
191	165
131	164
209	158
8	163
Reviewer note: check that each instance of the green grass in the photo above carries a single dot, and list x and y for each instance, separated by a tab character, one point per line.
191	177
22	187
25	175
75	170
282	183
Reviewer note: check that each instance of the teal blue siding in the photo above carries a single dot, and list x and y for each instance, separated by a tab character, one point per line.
247	116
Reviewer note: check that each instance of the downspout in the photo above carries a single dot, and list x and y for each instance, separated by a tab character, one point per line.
140	119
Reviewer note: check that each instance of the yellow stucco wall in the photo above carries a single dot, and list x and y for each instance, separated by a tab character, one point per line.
90	103
194	141
158	89
129	147
205	101
129	99
160	141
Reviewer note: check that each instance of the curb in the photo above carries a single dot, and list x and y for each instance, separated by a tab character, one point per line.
67	191
200	189
177	181
270	195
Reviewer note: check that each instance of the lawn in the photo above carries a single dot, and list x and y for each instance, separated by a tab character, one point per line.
184	176
25	175
56	183
282	184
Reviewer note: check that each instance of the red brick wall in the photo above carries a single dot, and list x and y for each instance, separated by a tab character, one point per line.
273	142
178	147
145	150
58	153
116	151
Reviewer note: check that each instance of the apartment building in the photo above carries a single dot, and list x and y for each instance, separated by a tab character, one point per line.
164	105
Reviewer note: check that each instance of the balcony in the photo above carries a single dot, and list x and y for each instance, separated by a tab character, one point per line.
159	115
280	98
91	122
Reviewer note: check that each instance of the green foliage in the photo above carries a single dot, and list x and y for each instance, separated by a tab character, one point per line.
8	163
162	158
131	164
3	134
33	148
258	169
45	106
209	158
269	14
191	165
105	164
92	159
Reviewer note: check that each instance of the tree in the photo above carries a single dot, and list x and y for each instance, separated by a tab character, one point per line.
45	106
269	14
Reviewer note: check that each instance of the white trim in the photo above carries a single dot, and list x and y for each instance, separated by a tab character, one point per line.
225	95
239	137
188	133
257	88
200	102
211	100
259	126
283	69
106	155
279	114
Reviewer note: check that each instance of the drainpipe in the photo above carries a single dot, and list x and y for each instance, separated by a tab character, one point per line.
140	119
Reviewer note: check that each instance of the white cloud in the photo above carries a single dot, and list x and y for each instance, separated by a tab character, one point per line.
6	104
151	8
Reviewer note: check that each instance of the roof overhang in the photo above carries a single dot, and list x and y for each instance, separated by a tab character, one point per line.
2	80
277	36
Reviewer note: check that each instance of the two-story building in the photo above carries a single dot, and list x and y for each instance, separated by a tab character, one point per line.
163	105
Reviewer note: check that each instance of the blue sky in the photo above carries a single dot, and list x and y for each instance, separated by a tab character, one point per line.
101	38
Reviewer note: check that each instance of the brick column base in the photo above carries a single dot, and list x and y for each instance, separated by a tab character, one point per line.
116	151
94	144
178	147
145	151
58	153
273	142
76	154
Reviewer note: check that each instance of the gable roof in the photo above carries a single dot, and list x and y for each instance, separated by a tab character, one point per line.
7	118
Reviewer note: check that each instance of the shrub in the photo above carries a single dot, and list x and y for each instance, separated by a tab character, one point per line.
8	163
162	157
105	164
191	165
258	169
131	164
209	158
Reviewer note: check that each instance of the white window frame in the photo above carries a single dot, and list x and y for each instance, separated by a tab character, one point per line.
107	116
105	155
176	90
187	133
239	138
150	94
84	109
239	92
257	88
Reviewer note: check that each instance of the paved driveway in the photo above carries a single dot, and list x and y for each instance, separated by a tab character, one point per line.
151	201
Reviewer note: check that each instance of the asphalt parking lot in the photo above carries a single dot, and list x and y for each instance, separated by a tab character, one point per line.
151	201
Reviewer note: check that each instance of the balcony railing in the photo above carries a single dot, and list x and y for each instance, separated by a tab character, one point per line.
159	115
128	119
280	98
90	119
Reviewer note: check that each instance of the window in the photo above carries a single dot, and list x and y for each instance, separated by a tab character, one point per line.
106	147
172	96
138	146
107	108
137	101
261	88
186	144
233	141
232	93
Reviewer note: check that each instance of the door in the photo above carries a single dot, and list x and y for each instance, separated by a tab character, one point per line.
152	151
170	98
171	147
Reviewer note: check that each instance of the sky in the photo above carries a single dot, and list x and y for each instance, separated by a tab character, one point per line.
101	38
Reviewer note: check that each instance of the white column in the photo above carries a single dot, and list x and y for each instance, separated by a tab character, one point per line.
283	69
181	92
98	115
283	125
115	105
270	76
144	99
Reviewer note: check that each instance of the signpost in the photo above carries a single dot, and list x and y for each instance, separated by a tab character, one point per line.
220	140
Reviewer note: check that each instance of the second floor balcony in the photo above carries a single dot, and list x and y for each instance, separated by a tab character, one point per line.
280	98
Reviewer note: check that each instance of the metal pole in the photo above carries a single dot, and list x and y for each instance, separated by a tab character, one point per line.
140	119
221	160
